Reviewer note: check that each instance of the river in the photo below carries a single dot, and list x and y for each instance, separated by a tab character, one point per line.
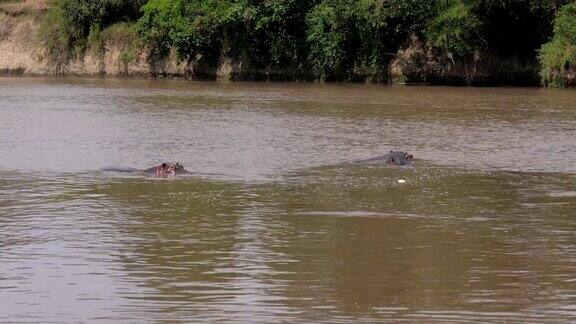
277	224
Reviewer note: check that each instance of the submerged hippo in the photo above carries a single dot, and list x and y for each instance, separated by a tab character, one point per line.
393	158
163	169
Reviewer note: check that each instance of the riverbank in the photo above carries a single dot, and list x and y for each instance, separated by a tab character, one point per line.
23	55
416	61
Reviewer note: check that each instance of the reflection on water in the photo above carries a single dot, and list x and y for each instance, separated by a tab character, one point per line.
277	225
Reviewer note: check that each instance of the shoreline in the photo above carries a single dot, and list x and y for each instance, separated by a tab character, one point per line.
112	77
23	56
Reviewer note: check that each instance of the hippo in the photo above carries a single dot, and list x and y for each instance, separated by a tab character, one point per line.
392	158
163	169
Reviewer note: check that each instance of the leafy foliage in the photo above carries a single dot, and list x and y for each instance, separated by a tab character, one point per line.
311	39
455	28
55	35
558	57
269	34
347	36
72	26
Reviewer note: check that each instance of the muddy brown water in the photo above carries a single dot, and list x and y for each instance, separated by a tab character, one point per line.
276	224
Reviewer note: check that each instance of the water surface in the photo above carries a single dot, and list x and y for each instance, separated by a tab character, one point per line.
277	224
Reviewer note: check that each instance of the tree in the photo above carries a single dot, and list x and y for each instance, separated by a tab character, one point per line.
558	56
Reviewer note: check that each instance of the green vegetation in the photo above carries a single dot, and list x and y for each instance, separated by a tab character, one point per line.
334	40
558	56
348	38
455	28
71	27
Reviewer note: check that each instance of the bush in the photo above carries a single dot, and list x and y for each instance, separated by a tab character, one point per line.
348	37
188	26
332	37
455	28
256	37
337	40
558	56
73	26
121	35
55	36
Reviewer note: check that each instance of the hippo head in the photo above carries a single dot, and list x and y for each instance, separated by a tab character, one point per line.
178	168
171	168
399	158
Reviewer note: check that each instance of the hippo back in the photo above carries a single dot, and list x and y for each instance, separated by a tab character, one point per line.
392	157
118	169
178	169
